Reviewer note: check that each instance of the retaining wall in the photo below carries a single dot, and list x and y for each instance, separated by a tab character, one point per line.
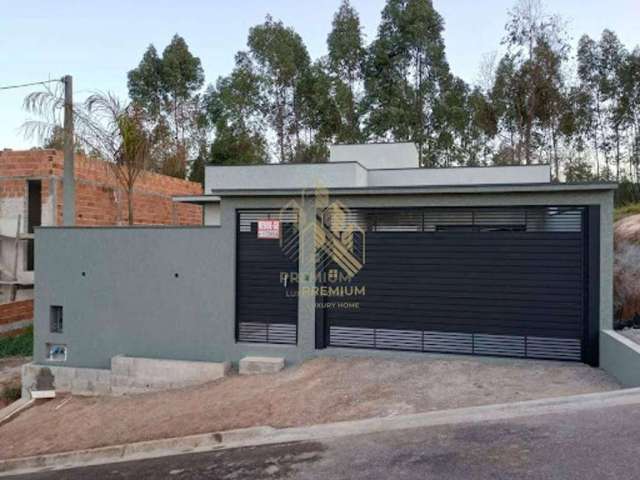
620	357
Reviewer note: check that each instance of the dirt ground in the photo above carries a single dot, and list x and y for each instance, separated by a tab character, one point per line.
319	391
10	374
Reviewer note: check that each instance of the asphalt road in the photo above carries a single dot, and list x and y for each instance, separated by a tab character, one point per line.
592	444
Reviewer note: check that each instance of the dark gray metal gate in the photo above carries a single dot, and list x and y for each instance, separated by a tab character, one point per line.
505	281
266	306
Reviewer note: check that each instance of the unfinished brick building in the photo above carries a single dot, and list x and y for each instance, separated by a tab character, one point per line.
31	195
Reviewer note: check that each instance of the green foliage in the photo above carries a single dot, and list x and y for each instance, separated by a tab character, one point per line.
625	211
282	61
145	82
345	65
56	139
278	102
181	72
578	171
319	110
627	193
236	108
165	88
196	173
610	79
17	345
406	75
529	91
237	148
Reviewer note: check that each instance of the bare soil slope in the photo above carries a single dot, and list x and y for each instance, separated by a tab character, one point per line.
627	267
319	391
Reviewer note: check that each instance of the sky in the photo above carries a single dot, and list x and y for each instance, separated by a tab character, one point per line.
98	42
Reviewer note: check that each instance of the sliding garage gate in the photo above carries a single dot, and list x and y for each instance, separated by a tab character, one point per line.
266	302
506	282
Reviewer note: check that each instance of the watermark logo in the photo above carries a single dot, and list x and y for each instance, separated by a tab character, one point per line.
338	253
340	247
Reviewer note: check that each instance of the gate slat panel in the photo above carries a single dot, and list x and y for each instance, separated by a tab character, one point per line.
495	288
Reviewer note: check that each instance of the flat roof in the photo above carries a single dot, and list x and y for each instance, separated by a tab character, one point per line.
216	195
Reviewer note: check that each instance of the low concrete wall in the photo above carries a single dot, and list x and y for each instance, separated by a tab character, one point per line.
620	357
127	375
130	373
79	381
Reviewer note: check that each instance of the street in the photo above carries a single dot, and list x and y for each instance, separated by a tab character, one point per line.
589	444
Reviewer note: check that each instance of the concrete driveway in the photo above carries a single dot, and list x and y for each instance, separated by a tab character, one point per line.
319	391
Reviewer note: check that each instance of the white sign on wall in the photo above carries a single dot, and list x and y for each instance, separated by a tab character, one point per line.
269	229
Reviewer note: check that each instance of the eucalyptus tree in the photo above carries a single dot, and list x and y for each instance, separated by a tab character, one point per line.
529	30
630	105
612	58
320	115
578	170
282	60
236	109
508	98
345	65
482	125
406	73
165	87
588	58
552	102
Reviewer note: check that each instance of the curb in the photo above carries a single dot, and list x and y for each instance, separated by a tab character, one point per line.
265	435
14	408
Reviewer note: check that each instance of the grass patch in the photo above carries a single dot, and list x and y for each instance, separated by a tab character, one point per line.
626	210
17	345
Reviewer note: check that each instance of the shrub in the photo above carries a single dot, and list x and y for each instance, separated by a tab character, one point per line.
627	193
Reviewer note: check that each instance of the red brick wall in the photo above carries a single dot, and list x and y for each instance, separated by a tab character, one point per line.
100	200
16	311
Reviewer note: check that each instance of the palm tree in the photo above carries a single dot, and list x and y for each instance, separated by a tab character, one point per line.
104	127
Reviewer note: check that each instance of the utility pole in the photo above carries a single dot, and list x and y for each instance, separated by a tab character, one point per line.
68	178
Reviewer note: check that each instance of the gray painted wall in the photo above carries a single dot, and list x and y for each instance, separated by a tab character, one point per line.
330	175
377	155
212	214
351	175
130	303
460	176
620	357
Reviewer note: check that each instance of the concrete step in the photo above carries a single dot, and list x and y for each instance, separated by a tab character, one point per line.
260	365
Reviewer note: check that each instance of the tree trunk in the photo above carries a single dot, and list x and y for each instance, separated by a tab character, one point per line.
556	162
420	108
296	124
617	132
130	204
595	146
280	123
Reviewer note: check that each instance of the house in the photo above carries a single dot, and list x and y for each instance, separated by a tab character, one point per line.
31	196
366	251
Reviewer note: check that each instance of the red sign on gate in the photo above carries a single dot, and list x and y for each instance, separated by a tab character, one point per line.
269	229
